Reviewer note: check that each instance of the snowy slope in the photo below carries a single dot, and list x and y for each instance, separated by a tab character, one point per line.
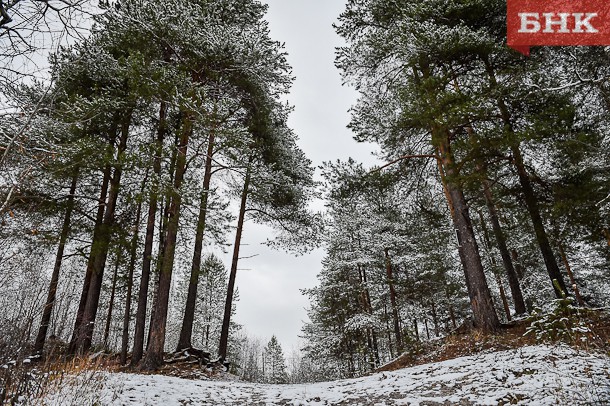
537	375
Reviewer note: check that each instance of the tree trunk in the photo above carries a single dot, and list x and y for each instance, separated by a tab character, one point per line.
186	332
564	258
163	225
529	195
52	294
90	262
111	302
484	313
367	297
426	326
387	328
503	297
513	280
435	319
518	266
541	235
226	321
395	318
154	353
84	339
416	329
138	339
132	264
452	317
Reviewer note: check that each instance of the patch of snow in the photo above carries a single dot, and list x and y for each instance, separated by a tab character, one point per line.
536	375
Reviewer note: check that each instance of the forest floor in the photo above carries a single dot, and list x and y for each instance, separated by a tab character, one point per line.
531	375
464	368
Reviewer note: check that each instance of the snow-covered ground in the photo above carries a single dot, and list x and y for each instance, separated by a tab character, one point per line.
537	375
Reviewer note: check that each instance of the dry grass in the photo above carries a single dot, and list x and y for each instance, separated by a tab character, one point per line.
54	381
513	335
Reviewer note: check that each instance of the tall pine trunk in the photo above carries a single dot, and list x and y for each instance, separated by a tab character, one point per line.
138	340
226	321
133	249
99	218
484	313
52	294
154	354
85	336
528	194
541	235
395	318
186	333
163	225
513	280
115	277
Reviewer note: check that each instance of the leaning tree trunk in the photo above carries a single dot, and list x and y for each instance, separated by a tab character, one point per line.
154	353
484	313
541	236
226	321
528	194
566	263
395	318
48	308
186	332
85	337
138	339
513	280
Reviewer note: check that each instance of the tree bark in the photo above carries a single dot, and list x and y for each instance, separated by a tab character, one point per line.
518	266
503	297
138	339
226	321
484	313
154	353
186	333
90	262
111	302
427	329
395	318
163	225
566	263
513	280
435	319
528	193
541	235
130	271
85	337
52	294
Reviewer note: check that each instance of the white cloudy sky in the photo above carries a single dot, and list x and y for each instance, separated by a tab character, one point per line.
269	284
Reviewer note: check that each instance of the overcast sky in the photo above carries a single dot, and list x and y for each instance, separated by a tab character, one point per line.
269	284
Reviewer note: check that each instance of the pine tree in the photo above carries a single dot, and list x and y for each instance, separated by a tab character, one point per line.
274	363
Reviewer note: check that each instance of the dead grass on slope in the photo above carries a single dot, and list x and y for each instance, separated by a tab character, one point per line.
588	331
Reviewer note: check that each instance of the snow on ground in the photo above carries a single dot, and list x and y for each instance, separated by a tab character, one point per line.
537	375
